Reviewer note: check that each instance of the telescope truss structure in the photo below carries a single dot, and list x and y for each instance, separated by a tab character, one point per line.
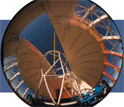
65	74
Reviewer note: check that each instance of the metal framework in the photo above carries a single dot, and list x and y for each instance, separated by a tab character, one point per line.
66	75
14	76
11	62
14	64
19	85
89	11
99	21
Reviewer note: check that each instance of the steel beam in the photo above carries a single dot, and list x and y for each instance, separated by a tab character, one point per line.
113	66
25	92
14	64
67	92
98	20
104	73
105	38
19	85
63	80
49	91
113	53
14	76
90	10
51	67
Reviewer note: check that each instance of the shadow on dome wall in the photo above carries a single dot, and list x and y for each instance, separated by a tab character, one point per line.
76	61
